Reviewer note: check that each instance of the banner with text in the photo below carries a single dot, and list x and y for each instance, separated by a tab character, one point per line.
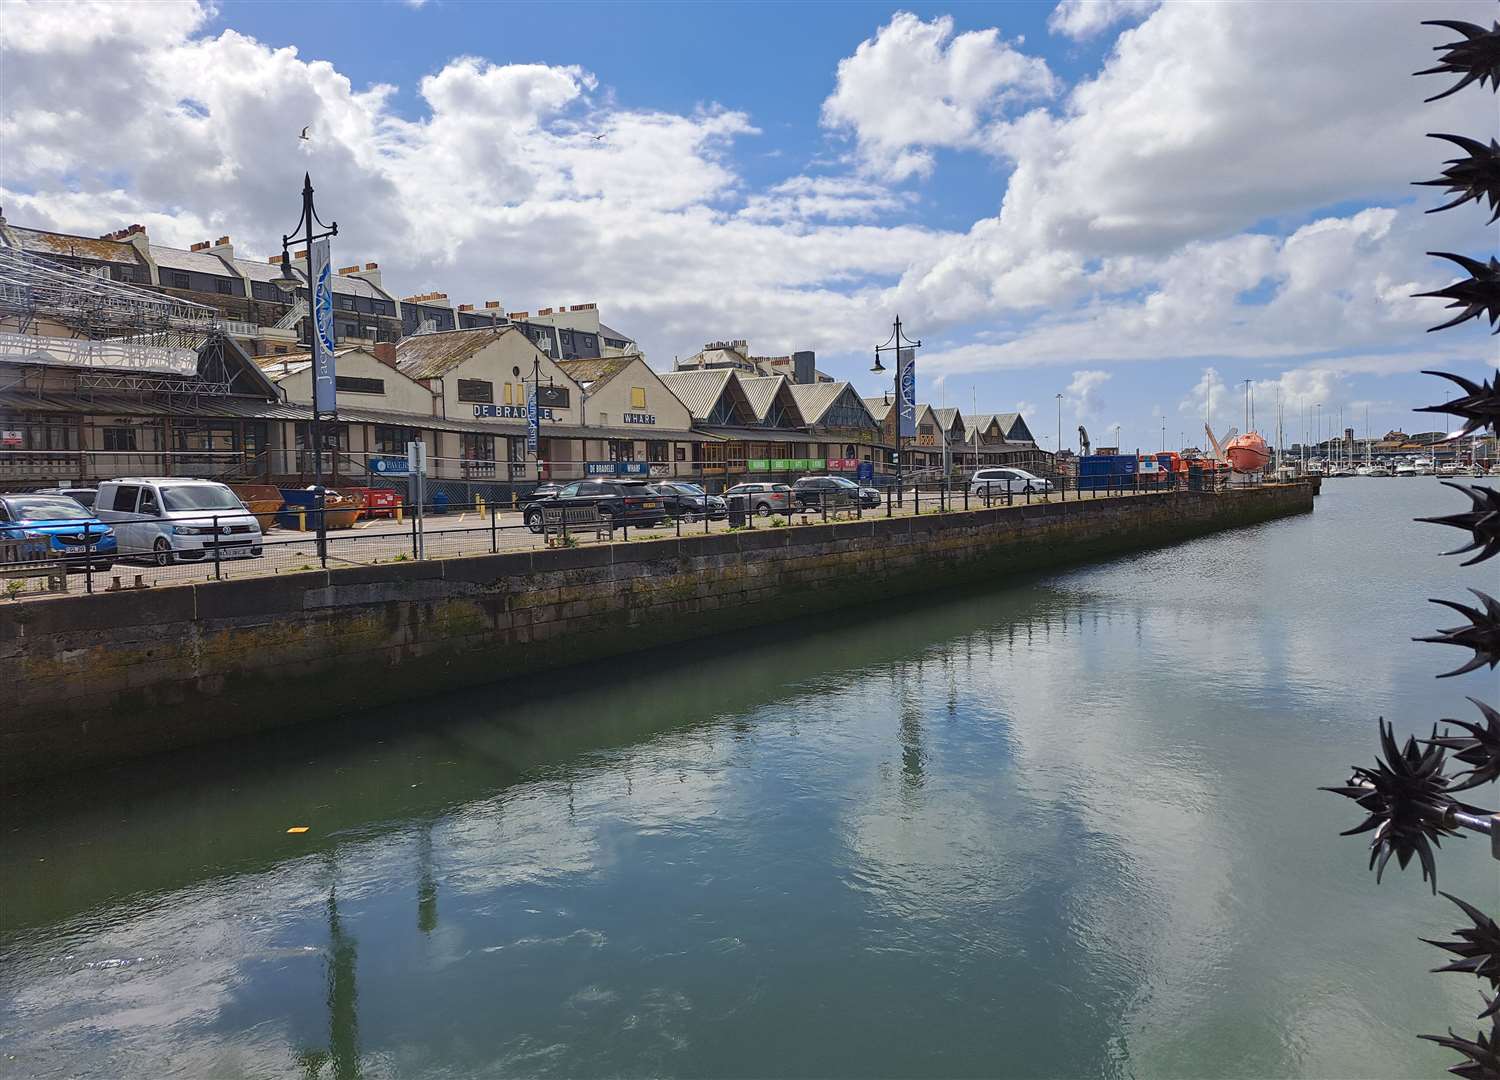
908	403
325	395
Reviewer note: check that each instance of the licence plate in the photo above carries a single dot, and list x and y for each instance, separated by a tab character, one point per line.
650	506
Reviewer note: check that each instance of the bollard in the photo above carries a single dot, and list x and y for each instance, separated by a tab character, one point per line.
218	575
88	557
887	502
414	537
301	521
494	533
479	503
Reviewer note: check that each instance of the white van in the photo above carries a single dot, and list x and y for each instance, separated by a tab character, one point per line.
998	481
167	519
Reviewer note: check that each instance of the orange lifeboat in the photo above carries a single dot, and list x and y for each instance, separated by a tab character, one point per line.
1247	453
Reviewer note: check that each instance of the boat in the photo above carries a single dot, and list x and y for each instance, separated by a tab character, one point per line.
1476	469
1247	453
1425	466
1315	468
1451	468
1379	470
1407	468
1363	470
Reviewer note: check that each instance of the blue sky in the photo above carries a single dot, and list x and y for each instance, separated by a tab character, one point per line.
1124	202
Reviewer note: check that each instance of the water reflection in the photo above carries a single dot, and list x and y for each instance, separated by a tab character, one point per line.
1068	828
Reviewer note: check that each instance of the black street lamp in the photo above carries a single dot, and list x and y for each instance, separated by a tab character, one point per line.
289	283
896	343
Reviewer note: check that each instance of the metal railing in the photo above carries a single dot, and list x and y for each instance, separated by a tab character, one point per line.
213	546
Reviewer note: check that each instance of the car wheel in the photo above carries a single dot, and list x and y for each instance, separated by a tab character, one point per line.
534	520
763	509
162	551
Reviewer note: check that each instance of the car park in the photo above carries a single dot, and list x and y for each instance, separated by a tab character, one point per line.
812	492
764	499
1000	481
622	502
178	519
84	496
69	529
689	501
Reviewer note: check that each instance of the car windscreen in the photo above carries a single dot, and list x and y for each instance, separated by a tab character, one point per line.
686	489
46	508
843	482
199	497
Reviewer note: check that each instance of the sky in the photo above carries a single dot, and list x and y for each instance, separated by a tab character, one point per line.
1137	206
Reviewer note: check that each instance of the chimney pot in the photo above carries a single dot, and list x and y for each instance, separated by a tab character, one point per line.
302	254
222	240
199	246
465	307
372	266
492	303
349	269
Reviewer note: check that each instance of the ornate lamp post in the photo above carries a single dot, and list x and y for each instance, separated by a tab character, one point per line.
902	346
289	283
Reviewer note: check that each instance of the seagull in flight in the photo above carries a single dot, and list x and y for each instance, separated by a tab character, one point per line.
598	138
303	136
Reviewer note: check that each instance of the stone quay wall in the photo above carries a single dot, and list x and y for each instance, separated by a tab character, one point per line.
97	678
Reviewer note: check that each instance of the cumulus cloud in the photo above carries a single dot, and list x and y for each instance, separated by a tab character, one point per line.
825	198
915	87
1086	393
1081	19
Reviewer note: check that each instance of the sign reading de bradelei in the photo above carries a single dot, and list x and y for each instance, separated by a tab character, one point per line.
908	403
325	386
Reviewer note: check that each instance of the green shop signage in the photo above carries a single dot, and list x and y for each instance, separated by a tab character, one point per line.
783	464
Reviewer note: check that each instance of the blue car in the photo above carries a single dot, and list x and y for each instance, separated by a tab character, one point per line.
69	530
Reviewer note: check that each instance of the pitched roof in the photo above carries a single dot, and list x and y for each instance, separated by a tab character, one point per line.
611	332
762	390
591	373
431	356
815	399
699	390
879	407
947	416
42	242
202	262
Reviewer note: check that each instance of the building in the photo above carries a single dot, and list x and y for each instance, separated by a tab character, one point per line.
1004	439
734	355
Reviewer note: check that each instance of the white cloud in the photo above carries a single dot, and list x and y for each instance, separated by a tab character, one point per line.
1086	393
1081	19
826	198
915	87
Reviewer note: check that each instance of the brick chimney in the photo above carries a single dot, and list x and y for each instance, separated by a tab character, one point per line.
370	273
201	245
489	304
385	352
224	249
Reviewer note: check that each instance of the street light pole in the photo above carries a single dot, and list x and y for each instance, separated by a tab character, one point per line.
897	343
1059	427
288	282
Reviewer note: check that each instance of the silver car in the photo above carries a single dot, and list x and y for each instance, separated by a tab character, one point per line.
1000	480
172	519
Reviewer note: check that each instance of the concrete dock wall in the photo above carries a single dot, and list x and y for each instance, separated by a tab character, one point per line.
91	679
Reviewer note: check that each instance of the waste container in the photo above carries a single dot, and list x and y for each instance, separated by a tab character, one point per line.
738	509
440	502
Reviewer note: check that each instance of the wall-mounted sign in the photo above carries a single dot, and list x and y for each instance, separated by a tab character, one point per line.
388	465
552	397
866	472
785	464
509	412
11	439
638	418
617	468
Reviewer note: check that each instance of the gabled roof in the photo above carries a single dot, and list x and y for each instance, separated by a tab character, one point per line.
815	399
431	356
277	368
879	407
700	391
948	417
764	390
592	373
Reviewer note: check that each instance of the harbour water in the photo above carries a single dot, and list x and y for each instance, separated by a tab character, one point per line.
1066	826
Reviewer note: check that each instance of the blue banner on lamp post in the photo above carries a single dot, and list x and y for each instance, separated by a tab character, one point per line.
325	394
908	403
532	423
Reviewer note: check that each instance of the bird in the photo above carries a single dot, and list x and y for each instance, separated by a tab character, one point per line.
303	136
599	138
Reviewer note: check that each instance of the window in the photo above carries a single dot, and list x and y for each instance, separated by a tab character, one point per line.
344	302
391	439
637	397
264	290
588	341
346	330
221	285
592	488
571	490
177	280
621	450
148	502
476	447
119	438
480	390
355	384
657	450
125	496
508	389
123	273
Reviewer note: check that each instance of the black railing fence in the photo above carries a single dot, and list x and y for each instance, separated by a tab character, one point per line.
139	551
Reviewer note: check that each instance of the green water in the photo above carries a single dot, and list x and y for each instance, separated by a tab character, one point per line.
1065	827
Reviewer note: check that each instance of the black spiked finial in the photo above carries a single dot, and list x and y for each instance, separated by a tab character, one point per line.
1405	796
1482	634
1477	948
1480	748
1474	177
1482	1052
1478	295
1476	57
1483	521
1479	407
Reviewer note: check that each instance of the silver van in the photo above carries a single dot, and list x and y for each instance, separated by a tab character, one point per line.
170	519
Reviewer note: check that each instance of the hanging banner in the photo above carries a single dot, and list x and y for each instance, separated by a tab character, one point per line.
325	398
532	422
908	402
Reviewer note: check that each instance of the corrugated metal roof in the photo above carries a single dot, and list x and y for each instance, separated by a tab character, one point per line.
592	373
698	390
43	242
815	399
761	390
878	407
431	356
946	418
202	262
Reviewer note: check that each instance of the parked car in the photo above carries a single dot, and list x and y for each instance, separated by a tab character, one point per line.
171	519
764	499
70	529
998	481
811	491
689	501
631	502
84	496
540	492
